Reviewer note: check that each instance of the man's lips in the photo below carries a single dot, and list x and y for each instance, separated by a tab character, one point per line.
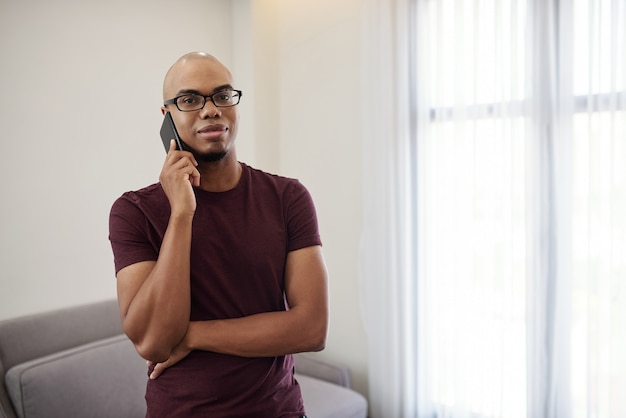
212	131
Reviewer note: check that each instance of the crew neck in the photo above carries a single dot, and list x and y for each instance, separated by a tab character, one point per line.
240	184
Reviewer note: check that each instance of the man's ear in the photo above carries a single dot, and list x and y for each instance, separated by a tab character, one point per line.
163	110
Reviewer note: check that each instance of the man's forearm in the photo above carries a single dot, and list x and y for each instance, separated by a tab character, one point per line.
262	335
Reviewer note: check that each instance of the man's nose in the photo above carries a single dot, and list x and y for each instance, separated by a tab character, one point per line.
210	110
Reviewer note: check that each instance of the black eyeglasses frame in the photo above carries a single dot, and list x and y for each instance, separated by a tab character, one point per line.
174	101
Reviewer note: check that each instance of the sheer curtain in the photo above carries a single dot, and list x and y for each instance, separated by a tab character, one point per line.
494	246
598	334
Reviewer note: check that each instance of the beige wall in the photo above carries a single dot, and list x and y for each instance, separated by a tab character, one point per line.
304	60
95	70
320	144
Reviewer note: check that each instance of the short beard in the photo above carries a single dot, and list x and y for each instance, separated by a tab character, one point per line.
211	157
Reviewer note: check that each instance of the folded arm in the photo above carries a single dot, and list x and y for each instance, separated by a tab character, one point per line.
302	328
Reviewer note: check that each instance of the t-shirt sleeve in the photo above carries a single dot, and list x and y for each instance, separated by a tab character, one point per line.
301	219
128	235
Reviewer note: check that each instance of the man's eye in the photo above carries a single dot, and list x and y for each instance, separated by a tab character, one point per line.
224	97
189	100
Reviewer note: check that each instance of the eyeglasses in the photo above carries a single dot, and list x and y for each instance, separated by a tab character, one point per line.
191	102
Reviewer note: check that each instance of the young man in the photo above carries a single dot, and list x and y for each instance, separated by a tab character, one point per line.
219	266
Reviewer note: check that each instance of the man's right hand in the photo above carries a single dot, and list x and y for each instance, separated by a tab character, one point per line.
178	175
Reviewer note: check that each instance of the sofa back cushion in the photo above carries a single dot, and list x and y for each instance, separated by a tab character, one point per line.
105	378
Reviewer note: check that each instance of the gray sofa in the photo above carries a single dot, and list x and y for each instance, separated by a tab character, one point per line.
76	362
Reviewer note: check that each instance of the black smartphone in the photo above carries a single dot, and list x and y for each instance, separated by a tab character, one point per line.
169	132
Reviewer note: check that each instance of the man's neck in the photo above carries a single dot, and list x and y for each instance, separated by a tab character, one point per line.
220	176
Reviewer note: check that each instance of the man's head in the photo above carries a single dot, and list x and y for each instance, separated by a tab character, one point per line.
208	132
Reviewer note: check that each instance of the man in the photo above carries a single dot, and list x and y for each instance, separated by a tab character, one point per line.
219	267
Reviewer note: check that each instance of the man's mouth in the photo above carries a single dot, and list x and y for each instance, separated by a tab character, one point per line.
212	131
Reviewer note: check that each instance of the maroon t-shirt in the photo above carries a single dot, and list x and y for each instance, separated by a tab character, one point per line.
240	242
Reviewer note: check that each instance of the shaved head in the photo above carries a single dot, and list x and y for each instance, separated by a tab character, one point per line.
183	65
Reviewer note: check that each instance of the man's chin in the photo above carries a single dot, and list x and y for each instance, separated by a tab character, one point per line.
211	157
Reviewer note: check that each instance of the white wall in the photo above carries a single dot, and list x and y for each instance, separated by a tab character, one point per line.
80	114
70	152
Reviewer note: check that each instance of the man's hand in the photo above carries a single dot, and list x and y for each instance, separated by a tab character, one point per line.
178	353
178	174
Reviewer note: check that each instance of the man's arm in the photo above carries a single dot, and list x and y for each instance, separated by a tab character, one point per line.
154	297
302	328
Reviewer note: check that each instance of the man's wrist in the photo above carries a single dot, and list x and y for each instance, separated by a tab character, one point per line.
190	337
181	217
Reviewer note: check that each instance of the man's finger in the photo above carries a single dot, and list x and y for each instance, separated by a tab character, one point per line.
158	369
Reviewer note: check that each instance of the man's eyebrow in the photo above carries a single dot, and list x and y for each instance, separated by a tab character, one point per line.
224	87
187	91
194	91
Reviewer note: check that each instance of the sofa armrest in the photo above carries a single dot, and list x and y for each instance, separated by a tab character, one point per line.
328	371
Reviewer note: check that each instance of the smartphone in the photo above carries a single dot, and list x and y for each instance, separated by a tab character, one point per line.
169	132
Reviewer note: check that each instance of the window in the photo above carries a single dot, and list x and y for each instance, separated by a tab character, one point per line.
520	164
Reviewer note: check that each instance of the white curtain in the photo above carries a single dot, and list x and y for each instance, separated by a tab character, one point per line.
494	247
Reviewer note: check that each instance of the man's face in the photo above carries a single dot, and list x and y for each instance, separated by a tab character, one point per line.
211	131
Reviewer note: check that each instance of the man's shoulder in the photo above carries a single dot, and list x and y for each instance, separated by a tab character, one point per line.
148	191
143	196
257	174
